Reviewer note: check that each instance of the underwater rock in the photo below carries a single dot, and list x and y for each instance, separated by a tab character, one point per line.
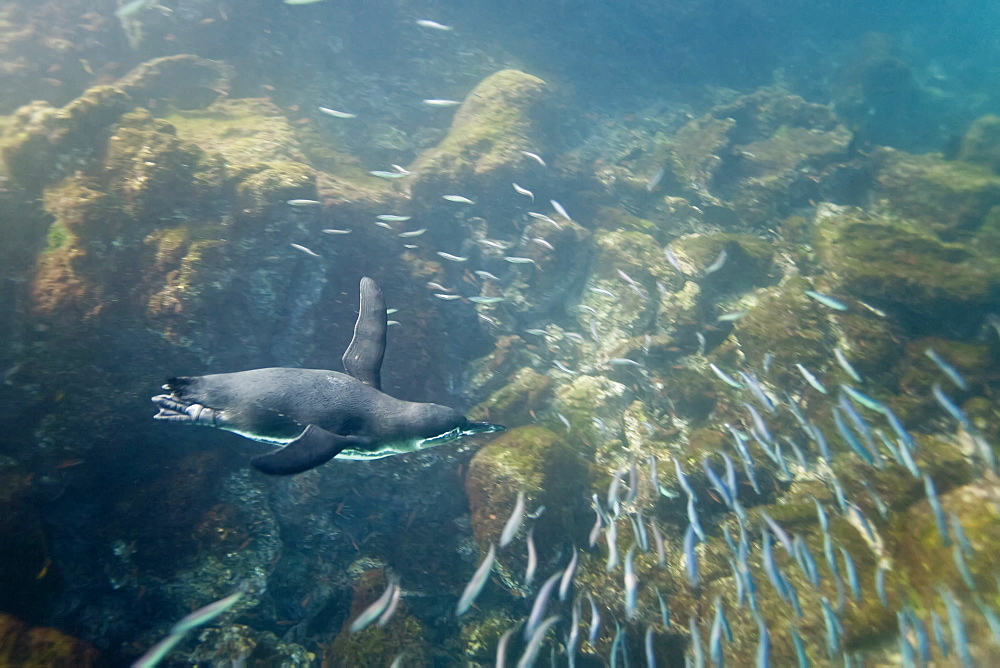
44	143
512	404
41	646
951	199
760	156
981	143
482	153
900	264
535	460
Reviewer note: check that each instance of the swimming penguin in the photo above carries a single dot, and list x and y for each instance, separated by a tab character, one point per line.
317	414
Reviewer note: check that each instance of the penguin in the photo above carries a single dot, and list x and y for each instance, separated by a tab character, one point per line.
315	415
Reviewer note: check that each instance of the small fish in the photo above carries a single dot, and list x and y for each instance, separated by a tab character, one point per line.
390	609
655	180
565	421
697	652
725	377
595	531
386	175
611	535
433	25
672	259
486	300
441	103
518	260
531	650
437	286
205	614
486	275
732	316
622	361
542	216
559	209
883	596
631	585
595	621
501	661
412	233
952	408
534	156
523	191
332	231
536	332
375	610
567	577
392	218
302	202
866	401
493	243
661	553
541	602
695	523
845	364
410	246
648	646
336	114
690	557
383	224
543	243
305	250
717	263
532	565
447	298
810	378
603	293
155	654
852	574
940	518
957	624
401	170
826	300
514	521
452	258
477	582
947	369
562	367
126	11
457	198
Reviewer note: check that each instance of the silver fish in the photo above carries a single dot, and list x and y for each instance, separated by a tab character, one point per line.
541	602
375	610
543	242
518	260
523	191
386	175
391	218
567	577
477	582
452	258
412	233
559	209
205	614
485	300
529	572
447	298
336	114
457	198
332	231
534	156
442	103
305	250
717	263
302	202
433	25
514	521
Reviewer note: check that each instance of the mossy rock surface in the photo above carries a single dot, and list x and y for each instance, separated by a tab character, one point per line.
900	263
41	647
756	154
950	198
531	459
981	143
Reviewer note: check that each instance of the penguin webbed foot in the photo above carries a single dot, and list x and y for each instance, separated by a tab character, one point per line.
179	411
314	446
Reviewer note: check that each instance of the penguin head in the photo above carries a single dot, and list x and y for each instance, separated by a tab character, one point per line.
433	421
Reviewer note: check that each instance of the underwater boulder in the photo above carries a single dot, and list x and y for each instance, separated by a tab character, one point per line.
899	263
949	198
42	646
760	156
981	143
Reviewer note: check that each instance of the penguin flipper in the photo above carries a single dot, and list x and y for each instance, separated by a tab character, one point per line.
313	447
363	357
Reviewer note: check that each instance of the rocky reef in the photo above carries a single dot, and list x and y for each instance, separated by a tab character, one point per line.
669	369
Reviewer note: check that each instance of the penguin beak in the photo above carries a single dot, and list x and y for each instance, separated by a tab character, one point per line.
482	428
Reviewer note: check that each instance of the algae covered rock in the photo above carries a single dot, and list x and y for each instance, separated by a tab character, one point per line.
981	143
536	461
949	198
41	646
900	263
483	151
756	155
